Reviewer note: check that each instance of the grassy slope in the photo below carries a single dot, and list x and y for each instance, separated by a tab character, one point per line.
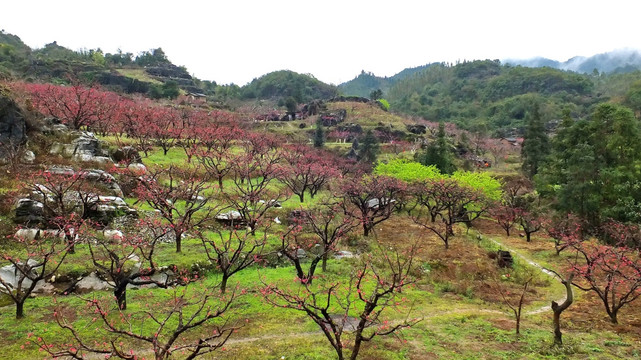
464	317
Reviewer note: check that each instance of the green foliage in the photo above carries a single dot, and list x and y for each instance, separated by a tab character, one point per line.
482	181
438	153
384	104
408	171
152	57
319	135
285	83
369	148
376	94
595	166
486	91
536	146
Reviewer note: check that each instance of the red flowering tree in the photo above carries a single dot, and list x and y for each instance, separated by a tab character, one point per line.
370	199
37	259
506	216
357	306
180	197
565	231
214	150
611	272
252	195
451	203
76	105
329	226
530	222
232	251
190	324
305	170
129	260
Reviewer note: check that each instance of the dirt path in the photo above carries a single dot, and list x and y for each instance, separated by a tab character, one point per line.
536	265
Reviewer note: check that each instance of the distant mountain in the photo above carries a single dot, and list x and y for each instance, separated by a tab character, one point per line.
618	61
366	82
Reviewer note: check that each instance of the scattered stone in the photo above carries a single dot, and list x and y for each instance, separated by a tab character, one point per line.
106	208
28	157
277	220
112	235
27	234
231	217
91	283
137	168
343	254
375	203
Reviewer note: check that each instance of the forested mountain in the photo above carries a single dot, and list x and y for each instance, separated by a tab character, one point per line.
489	95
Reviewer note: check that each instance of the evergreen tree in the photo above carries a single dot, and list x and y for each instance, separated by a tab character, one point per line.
370	148
536	145
438	153
594	169
319	135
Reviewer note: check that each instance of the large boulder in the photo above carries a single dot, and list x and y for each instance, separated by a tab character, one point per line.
127	154
29	212
13	128
107	208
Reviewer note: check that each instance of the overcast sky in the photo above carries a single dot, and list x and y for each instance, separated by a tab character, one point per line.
238	40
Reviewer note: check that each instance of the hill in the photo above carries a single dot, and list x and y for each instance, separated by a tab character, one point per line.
486	94
284	83
366	82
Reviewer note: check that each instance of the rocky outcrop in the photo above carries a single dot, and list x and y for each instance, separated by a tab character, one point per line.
84	147
13	128
127	154
29	212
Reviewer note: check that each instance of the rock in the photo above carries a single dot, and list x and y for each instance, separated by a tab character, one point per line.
28	157
231	217
106	208
374	203
343	254
128	155
29	212
137	168
11	276
112	235
27	234
91	283
13	128
277	220
301	254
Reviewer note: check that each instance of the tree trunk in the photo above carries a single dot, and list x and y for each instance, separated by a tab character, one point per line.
301	197
179	236
528	236
366	229
120	293
325	256
223	284
220	182
20	309
558	309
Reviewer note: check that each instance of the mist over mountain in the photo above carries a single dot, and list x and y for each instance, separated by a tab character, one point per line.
617	61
